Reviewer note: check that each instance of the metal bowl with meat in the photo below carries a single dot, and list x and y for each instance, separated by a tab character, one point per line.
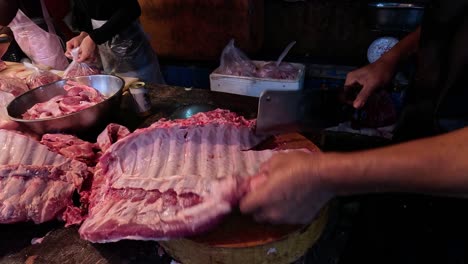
69	105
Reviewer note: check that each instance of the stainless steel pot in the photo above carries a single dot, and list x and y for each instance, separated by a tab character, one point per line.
395	16
110	86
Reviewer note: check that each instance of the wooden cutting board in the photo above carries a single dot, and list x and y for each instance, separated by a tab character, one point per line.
239	239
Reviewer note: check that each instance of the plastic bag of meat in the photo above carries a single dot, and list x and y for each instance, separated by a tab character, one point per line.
379	111
15	86
76	69
285	71
39	77
235	62
279	69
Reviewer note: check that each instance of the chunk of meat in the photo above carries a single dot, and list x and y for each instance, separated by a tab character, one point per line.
77	69
71	147
14	86
173	179
111	134
36	184
77	98
285	71
40	78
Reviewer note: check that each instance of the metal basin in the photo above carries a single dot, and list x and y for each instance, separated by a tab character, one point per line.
395	16
110	86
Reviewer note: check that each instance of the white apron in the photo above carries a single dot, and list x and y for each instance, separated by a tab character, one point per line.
42	47
129	54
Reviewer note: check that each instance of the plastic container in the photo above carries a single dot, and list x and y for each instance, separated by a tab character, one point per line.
253	86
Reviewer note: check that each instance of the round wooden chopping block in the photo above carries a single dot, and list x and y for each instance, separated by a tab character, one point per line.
239	239
253	245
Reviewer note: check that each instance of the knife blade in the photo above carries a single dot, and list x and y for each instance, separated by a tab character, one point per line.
279	112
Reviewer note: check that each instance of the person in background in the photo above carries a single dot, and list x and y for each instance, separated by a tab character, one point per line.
112	27
34	29
293	187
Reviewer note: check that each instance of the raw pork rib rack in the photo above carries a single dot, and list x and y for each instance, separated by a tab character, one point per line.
173	179
36	184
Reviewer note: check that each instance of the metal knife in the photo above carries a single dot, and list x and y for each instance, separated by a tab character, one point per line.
279	112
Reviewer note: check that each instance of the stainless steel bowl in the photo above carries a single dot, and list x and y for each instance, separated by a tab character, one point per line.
395	16
110	86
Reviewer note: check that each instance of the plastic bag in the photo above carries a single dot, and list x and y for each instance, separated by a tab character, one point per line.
285	71
42	47
235	62
76	68
279	69
39	77
129	54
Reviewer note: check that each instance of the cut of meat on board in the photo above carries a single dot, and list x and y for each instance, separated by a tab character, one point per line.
71	147
173	179
14	86
111	134
173	207
77	98
35	183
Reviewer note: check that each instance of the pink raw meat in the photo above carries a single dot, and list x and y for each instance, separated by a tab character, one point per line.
284	71
40	78
3	65
173	179
14	86
71	147
36	184
111	134
77	98
76	69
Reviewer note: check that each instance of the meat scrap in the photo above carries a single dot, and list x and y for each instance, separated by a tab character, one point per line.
173	179
14	86
284	71
36	184
111	134
78	97
72	147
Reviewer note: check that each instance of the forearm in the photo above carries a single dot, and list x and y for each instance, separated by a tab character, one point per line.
403	49
437	165
122	18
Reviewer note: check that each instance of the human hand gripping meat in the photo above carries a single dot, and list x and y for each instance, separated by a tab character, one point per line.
288	189
371	77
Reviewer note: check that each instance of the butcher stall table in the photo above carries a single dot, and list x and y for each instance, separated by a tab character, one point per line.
53	243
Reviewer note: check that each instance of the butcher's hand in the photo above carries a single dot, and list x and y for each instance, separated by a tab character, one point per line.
288	189
74	43
371	77
87	50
